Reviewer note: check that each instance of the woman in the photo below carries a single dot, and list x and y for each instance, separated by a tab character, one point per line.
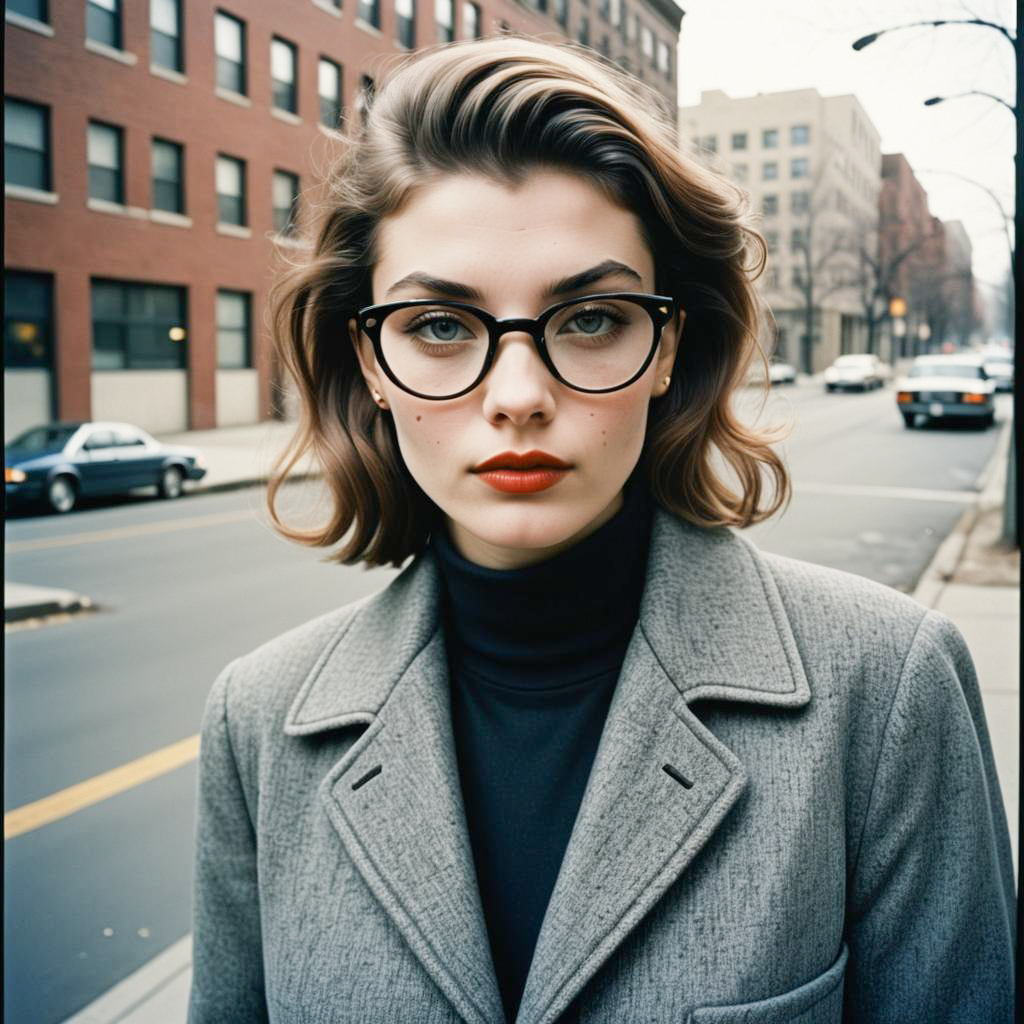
591	756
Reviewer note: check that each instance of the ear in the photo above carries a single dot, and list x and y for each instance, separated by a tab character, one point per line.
364	353
670	338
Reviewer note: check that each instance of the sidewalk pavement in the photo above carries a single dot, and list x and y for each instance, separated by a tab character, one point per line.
974	578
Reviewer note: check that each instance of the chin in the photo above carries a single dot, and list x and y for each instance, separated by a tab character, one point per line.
525	525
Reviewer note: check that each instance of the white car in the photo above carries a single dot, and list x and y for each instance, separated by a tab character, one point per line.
859	372
999	367
953	386
782	373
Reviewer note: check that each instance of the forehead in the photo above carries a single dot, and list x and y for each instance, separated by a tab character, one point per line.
508	242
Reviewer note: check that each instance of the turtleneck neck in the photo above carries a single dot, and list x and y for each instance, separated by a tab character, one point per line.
555	622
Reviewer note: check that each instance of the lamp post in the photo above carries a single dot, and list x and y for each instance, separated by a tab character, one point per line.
1011	523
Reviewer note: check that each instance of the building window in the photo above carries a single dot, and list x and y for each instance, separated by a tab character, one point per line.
26	145
769	171
231	191
444	14
739	140
604	8
770	138
562	12
647	43
286	202
605	45
770	206
369	11
624	22
283	60
664	58
739	172
234	340
137	326
28	320
103	22
771	240
583	34
772	281
168	179
34	9
165	47
798	277
801	202
470	20
405	23
799	167
229	41
365	98
798	239
800	134
709	143
329	89
106	180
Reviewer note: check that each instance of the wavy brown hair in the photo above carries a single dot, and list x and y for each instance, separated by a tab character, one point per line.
502	107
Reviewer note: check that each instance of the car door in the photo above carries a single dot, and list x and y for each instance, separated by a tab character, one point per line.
139	465
98	462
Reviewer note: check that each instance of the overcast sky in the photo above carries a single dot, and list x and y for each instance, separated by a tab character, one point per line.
748	46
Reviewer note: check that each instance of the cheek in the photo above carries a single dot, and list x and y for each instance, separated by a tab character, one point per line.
615	427
427	438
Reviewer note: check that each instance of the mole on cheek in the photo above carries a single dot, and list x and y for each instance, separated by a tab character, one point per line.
418	418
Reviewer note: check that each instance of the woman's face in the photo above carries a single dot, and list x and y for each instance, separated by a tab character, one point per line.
510	247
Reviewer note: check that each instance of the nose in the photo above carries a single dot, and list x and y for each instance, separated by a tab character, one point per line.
518	386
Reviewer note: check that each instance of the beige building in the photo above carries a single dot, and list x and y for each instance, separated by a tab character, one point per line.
812	166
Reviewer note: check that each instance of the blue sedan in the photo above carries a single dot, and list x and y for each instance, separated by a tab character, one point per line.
59	463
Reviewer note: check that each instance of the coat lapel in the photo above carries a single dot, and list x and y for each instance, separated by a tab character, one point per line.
394	798
711	625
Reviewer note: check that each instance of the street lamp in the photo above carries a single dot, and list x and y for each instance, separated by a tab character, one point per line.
871	37
972	92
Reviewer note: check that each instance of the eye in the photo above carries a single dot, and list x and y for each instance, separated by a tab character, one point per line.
444	328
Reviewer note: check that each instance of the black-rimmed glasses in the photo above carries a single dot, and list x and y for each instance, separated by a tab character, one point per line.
443	349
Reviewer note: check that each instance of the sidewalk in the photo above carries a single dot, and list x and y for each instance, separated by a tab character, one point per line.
235	457
973	578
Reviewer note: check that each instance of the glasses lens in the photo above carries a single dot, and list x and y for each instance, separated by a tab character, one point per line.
599	343
434	350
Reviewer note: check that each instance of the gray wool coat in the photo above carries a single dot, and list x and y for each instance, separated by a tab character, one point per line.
793	816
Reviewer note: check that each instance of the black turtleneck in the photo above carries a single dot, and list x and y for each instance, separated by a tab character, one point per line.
534	656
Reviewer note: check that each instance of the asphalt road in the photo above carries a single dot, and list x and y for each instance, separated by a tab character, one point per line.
183	587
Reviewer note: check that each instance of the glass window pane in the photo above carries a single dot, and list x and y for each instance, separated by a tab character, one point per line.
103	23
34	9
166	160
28	317
104	146
229	177
327	79
107	5
163	15
230	309
24	124
228	37
284	188
282	61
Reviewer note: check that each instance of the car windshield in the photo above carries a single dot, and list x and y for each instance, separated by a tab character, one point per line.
945	370
42	439
1000	360
853	360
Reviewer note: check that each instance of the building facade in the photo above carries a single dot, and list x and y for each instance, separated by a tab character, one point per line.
161	157
811	165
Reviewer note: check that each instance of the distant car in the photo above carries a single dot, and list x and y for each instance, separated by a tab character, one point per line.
59	463
951	386
999	368
857	372
782	373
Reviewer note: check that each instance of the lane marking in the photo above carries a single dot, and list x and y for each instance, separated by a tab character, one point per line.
902	493
100	787
122	532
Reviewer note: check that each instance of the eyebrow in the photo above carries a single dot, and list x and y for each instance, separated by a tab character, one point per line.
572	283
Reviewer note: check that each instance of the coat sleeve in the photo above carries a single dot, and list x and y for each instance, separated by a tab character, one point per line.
931	900
227	959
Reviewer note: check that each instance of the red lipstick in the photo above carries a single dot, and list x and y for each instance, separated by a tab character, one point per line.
522	473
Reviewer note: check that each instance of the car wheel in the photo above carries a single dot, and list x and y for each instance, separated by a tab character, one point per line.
62	494
829	388
170	485
908	420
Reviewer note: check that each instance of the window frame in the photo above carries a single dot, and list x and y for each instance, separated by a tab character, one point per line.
220	61
43	319
290	226
177	41
246	329
769	138
242	198
98	13
118	172
45	155
179	149
279	85
337	101
471	5
125	322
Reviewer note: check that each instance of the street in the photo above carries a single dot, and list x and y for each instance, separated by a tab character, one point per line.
181	588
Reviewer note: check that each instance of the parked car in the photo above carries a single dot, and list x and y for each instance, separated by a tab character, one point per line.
781	373
59	463
951	386
999	368
857	372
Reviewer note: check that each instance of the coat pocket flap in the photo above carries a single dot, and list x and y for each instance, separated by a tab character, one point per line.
820	1001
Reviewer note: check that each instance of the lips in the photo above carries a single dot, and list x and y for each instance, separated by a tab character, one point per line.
525	460
522	473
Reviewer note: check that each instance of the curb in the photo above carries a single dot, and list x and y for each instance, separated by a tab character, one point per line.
255	481
940	569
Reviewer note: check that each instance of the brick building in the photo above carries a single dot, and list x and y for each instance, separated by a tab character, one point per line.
156	155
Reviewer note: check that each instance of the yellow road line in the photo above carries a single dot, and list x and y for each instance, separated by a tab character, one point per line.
100	787
121	532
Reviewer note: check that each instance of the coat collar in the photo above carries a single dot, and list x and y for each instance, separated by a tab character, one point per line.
712	625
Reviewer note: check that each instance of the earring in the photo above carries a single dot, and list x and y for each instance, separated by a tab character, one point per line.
378	398
665	381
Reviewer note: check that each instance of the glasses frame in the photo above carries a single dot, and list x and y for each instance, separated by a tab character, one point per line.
660	308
